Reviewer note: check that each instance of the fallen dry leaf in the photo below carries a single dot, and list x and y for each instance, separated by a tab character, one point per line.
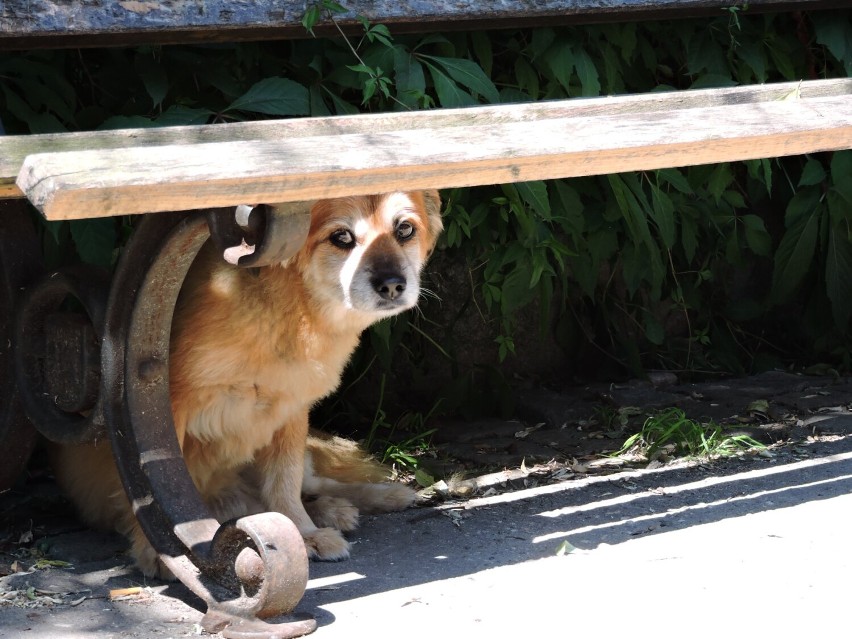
115	593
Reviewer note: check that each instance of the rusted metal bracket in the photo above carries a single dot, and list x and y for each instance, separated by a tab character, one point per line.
57	353
248	570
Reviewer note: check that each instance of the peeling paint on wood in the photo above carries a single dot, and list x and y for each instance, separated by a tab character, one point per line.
32	23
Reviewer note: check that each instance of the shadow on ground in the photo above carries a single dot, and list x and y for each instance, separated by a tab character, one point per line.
455	540
462	559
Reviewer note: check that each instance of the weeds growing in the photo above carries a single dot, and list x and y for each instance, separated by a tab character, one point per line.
672	429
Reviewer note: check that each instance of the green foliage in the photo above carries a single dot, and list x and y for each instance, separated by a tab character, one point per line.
670	430
706	269
403	450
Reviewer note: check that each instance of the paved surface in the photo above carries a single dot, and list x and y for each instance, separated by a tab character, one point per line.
752	546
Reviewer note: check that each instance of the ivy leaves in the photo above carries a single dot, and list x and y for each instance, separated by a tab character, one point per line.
819	234
273	96
621	258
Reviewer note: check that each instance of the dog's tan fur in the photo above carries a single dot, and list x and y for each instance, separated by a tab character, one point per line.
252	352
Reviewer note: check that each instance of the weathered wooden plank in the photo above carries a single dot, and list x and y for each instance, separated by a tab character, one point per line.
138	180
13	149
55	23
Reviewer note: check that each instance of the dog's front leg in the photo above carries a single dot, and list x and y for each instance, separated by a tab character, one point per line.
281	467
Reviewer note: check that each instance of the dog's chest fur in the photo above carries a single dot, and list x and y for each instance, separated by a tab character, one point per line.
249	355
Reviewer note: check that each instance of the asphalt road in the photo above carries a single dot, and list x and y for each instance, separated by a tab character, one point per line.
754	547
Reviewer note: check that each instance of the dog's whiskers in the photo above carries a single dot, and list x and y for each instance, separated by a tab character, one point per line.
427	292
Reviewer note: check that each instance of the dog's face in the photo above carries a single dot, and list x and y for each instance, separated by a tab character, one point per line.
363	256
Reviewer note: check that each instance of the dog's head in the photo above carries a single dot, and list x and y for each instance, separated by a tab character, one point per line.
363	256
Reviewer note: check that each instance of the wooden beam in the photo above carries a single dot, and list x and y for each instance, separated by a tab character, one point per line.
26	24
517	144
13	149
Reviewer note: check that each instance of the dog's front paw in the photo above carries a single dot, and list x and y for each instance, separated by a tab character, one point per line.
333	512
326	544
150	565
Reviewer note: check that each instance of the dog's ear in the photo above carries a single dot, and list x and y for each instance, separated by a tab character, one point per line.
432	204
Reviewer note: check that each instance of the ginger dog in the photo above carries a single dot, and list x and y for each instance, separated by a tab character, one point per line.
250	355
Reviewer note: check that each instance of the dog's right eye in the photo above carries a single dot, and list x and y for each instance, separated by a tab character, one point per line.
342	239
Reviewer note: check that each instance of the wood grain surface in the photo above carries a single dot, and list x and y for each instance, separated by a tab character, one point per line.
453	148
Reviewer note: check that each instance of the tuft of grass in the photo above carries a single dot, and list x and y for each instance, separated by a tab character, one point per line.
402	454
672	429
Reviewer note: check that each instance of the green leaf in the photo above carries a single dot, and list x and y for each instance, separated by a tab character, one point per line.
801	204
782	57
17	106
833	31
753	55
482	48
516	291
318	106
839	210
634	265
676	179
450	95
44	87
713	81
380	33
95	240
590	84
332	6
526	77
274	96
688	236
179	115
341	107
720	180
794	256
560	59
423	478
705	54
468	74
614	82
569	208
841	174
838	276
663	213
541	41
409	77
634	207
735	199
812	173
767	174
535	194
153	76
757	238
311	17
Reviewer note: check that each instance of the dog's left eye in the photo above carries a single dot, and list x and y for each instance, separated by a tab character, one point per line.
404	231
342	239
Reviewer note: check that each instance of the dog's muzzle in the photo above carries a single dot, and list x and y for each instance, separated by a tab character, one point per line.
389	286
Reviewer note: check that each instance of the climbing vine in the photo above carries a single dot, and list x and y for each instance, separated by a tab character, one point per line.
705	270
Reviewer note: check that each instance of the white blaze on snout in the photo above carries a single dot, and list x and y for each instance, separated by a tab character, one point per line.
356	274
361	230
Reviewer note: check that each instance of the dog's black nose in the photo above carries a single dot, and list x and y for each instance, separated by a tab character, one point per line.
388	285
